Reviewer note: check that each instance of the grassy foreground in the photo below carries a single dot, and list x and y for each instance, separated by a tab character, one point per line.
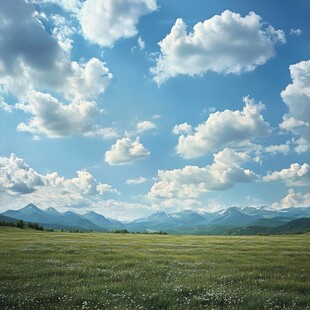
54	270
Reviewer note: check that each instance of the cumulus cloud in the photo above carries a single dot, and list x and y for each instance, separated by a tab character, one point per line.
17	176
105	21
191	181
221	129
27	52
33	65
182	128
281	148
60	119
139	180
226	43
63	32
19	179
145	126
87	80
54	119
293	199
83	185
125	151
297	98
292	124
296	175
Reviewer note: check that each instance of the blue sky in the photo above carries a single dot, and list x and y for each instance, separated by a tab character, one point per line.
130	107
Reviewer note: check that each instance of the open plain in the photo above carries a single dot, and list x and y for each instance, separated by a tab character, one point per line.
62	270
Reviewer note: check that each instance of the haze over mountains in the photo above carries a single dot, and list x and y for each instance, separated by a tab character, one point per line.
228	221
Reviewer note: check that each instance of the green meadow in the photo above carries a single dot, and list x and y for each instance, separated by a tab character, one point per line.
60	270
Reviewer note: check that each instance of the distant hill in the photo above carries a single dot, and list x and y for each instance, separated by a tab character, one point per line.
271	222
7	219
233	217
292	227
102	221
51	218
234	220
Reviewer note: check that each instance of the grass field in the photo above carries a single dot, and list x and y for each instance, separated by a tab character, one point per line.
54	270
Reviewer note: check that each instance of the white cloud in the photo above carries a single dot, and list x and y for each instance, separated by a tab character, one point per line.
104	133
36	65
106	21
293	200
63	32
176	204
227	128
297	32
125	151
5	106
139	180
145	126
122	210
297	98
296	175
36	58
192	181
17	176
182	128
54	119
226	43
46	66
141	44
19	179
292	124
87	80
84	184
281	148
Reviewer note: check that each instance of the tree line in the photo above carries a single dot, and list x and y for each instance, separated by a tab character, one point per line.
21	224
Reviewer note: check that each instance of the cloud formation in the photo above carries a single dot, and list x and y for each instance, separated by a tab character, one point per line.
296	175
293	199
105	21
226	43
145	126
191	181
125	151
19	179
297	98
28	53
17	176
104	133
88	80
34	65
182	128
281	148
221	129
139	180
55	119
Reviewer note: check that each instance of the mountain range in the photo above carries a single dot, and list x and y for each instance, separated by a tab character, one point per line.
234	220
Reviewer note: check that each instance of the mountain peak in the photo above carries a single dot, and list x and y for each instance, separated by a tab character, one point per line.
31	206
51	210
158	215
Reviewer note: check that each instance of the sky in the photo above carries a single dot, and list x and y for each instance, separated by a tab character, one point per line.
130	107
